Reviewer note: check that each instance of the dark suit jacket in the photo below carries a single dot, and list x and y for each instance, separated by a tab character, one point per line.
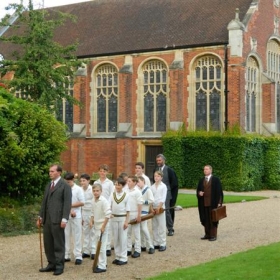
57	203
217	195
172	183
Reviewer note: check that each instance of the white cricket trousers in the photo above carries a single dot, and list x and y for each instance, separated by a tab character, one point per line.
159	231
73	229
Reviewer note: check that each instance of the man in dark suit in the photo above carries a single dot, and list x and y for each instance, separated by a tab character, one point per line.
210	196
54	214
170	180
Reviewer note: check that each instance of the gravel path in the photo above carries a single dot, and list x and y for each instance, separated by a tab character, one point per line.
249	224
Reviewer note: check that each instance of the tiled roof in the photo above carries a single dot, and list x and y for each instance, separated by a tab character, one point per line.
124	26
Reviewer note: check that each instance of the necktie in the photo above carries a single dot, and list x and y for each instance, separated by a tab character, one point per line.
52	186
206	179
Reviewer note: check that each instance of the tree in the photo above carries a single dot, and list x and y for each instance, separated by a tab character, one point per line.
30	139
41	66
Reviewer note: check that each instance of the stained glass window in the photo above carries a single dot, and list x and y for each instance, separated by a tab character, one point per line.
107	98
155	96
208	83
65	109
252	84
273	70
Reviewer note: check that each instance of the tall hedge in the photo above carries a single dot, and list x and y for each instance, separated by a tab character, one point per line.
243	162
271	178
30	139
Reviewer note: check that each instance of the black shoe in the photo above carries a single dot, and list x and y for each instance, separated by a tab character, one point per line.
162	248
99	270
135	255
143	249
48	268
128	253
78	262
108	253
115	261
212	238
151	251
58	272
92	256
121	263
170	233
67	260
156	247
84	255
205	237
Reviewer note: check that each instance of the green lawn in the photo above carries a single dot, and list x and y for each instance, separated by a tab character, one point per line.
190	200
261	263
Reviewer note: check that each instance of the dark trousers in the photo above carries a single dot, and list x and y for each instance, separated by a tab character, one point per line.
169	221
54	243
209	227
172	211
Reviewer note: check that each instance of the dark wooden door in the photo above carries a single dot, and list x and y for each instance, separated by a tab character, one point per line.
150	164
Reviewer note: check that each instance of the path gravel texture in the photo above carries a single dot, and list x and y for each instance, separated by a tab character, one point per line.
248	225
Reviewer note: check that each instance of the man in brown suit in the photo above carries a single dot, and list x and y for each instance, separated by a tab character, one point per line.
54	215
210	196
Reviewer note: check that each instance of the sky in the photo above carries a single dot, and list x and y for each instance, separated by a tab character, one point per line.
36	3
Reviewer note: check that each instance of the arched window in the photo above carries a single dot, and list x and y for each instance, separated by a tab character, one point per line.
64	111
106	113
208	87
273	70
155	96
252	94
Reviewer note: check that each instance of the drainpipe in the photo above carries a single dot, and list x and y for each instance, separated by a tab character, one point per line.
226	88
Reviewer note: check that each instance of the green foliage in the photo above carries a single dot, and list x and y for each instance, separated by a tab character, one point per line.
41	66
30	139
16	218
243	163
272	163
190	200
174	154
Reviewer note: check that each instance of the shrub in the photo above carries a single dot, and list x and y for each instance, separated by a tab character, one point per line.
30	139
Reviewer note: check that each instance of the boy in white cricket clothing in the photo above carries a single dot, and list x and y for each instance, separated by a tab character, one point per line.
101	214
88	233
135	204
159	190
107	190
148	199
139	170
74	226
119	222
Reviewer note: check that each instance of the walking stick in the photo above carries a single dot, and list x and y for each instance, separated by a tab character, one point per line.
40	238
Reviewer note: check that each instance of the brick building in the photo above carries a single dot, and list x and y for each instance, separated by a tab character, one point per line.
154	65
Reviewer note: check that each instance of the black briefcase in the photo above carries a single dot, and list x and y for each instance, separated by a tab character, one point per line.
219	213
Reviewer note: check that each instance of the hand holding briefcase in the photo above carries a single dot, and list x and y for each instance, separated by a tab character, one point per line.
218	213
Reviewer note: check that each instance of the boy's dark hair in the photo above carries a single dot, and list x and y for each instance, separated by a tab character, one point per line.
69	176
133	178
104	167
123	174
85	176
120	181
140	164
